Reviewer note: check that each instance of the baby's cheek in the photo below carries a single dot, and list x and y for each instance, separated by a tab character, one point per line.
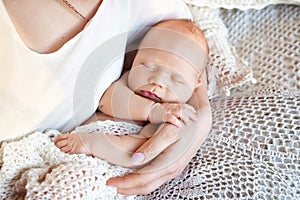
186	93
181	94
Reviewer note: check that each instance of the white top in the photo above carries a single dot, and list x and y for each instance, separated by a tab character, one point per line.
62	89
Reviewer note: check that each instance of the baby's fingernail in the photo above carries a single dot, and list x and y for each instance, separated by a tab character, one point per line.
137	158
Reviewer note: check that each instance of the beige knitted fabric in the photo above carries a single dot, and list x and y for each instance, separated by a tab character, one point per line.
240	4
225	69
34	168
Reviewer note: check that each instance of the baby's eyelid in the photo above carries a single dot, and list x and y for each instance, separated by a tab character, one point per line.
150	67
177	80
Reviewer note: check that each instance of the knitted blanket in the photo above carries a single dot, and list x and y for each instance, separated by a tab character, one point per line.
252	152
34	168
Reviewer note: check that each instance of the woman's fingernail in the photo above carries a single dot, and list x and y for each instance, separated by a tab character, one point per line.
137	158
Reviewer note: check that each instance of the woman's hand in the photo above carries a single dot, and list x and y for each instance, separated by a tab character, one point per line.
175	147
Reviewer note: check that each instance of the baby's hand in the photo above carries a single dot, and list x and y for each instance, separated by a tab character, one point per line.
174	113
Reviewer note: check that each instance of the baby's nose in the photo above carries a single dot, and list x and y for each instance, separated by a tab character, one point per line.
158	80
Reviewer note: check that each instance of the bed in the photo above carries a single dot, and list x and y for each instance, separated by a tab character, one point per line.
252	152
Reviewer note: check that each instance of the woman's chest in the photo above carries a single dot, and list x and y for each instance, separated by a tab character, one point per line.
46	25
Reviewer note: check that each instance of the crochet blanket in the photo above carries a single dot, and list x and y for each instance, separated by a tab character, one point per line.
34	168
252	151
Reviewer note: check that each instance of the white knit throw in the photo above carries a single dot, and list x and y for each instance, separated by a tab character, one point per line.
34	168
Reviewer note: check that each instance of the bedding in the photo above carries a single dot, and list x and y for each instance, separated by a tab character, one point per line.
34	168
242	5
252	152
225	70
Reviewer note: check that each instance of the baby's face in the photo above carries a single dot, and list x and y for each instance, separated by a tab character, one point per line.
162	76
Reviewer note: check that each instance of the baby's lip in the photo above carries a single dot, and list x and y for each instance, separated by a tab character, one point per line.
149	95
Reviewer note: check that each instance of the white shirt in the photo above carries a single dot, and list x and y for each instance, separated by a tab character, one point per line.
62	89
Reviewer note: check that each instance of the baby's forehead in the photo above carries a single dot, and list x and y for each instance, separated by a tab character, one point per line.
176	43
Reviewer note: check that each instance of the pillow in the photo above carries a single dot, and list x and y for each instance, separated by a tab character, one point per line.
225	69
243	5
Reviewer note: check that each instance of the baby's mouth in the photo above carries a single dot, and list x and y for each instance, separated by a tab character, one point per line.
149	95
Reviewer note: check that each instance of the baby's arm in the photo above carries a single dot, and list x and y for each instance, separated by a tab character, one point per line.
121	102
108	147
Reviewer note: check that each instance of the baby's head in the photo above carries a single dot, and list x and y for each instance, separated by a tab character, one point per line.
170	62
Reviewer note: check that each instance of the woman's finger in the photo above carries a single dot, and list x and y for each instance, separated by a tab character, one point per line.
137	183
166	135
144	189
141	182
164	168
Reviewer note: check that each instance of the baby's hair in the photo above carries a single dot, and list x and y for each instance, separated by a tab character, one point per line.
190	26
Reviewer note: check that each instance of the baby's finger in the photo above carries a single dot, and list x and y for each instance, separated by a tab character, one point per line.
61	137
188	107
66	149
61	143
188	118
173	120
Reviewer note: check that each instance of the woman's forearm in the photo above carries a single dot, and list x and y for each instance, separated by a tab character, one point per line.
118	149
113	148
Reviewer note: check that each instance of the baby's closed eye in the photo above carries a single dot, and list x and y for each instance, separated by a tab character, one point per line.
177	80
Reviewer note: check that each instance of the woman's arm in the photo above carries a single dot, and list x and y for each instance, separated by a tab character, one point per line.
178	149
114	149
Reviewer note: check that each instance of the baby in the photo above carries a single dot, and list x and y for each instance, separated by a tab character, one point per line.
168	67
